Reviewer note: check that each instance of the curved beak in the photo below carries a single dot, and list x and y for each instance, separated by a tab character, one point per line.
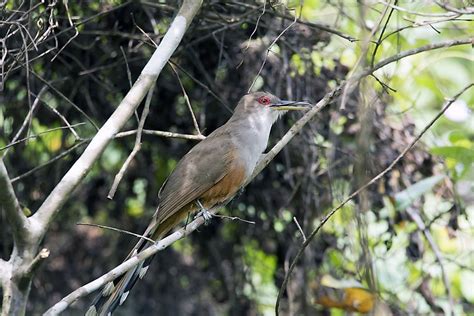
285	105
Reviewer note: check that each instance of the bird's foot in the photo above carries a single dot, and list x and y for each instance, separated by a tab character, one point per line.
205	214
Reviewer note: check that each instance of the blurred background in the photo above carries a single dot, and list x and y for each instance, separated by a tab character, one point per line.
403	246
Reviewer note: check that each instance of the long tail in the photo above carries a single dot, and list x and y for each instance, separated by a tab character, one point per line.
114	293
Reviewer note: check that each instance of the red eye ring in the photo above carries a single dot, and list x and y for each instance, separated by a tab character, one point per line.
264	100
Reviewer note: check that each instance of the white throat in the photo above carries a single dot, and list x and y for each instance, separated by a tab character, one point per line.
253	134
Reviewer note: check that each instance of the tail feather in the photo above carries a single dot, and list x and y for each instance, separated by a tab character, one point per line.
114	293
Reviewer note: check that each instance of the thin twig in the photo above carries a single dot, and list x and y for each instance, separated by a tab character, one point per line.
360	189
203	86
319	26
401	9
39	134
415	216
361	61
253	33
136	147
127	67
27	119
63	118
146	34
233	218
118	230
129	75
299	228
186	99
161	134
270	47
66	99
76	31
56	158
379	41
414	51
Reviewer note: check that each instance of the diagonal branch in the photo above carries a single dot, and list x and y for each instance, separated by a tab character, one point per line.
416	218
9	203
41	219
136	147
414	51
123	267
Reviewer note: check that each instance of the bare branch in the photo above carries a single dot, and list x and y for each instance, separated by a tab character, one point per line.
360	189
53	88
136	147
63	118
13	143
186	99
319	26
401	9
354	79
415	216
299	228
56	158
414	51
271	45
233	218
36	262
76	31
9	203
161	134
204	86
361	61
445	5
27	119
117	230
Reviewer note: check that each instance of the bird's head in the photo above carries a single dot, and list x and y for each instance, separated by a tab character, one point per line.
267	105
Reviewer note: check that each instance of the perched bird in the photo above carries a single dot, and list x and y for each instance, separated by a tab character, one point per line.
207	177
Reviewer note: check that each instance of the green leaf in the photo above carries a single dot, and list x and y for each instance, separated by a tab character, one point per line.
406	197
458	153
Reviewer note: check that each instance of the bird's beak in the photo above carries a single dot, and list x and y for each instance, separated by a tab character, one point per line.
285	105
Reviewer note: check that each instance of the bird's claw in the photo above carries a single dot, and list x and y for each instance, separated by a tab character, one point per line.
205	214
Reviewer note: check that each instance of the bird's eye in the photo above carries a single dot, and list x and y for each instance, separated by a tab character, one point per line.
265	100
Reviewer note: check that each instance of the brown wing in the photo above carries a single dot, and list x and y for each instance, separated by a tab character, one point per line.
199	170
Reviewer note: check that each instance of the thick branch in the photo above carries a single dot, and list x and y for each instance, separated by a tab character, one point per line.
118	119
9	203
5	268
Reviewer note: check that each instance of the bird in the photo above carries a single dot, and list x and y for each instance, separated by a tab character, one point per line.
207	177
